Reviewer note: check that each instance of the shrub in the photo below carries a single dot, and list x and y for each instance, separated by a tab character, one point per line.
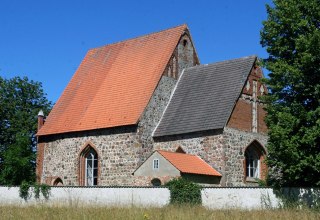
24	190
182	191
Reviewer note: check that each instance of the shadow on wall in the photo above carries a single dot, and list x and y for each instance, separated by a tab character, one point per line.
202	179
293	197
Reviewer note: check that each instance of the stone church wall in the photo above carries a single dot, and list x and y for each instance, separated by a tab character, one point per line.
152	115
120	150
116	151
209	145
223	150
236	142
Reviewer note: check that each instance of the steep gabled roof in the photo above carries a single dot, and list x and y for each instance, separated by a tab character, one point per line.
113	84
204	97
187	163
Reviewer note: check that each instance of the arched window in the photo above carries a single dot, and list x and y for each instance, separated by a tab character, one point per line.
254	166
156	182
58	182
88	167
252	163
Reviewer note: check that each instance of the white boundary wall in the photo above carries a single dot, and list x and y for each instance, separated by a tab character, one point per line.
212	198
155	197
239	198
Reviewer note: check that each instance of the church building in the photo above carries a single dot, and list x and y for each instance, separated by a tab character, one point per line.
144	111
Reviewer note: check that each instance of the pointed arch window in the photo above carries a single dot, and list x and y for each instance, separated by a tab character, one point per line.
89	167
255	168
58	182
252	164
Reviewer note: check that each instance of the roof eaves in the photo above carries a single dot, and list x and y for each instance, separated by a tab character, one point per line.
204	174
209	165
159	151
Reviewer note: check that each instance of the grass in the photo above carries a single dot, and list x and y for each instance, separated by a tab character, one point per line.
169	212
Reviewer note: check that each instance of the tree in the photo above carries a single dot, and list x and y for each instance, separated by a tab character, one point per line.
291	36
20	102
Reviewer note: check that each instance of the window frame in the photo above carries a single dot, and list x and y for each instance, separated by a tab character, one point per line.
93	168
88	150
253	158
252	165
155	164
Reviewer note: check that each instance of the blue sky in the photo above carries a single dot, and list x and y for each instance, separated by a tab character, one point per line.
46	40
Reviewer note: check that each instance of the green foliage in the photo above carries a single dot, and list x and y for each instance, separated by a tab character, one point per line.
262	183
36	190
182	191
45	190
20	102
293	198
24	190
291	36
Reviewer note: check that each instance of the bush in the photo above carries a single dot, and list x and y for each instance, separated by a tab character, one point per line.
43	188
24	190
182	191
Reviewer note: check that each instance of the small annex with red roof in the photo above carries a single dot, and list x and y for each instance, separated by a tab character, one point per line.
149	96
164	165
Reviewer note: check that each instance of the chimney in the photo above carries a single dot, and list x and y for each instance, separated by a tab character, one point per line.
40	119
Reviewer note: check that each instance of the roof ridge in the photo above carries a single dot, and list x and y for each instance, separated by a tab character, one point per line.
144	35
109	73
223	61
173	152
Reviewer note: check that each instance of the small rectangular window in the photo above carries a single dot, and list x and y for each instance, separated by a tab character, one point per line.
155	164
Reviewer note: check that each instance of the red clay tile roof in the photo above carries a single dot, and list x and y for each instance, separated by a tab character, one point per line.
187	163
113	84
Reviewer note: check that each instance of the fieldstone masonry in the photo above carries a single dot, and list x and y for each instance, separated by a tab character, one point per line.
236	142
122	149
116	150
222	149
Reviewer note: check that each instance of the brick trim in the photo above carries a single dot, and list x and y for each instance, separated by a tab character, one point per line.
39	161
262	152
81	162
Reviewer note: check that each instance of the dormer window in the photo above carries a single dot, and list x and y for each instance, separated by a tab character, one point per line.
155	164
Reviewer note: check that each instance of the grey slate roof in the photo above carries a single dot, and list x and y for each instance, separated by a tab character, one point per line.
204	97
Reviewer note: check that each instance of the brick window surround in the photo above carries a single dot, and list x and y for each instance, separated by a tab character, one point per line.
254	159
89	159
57	182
